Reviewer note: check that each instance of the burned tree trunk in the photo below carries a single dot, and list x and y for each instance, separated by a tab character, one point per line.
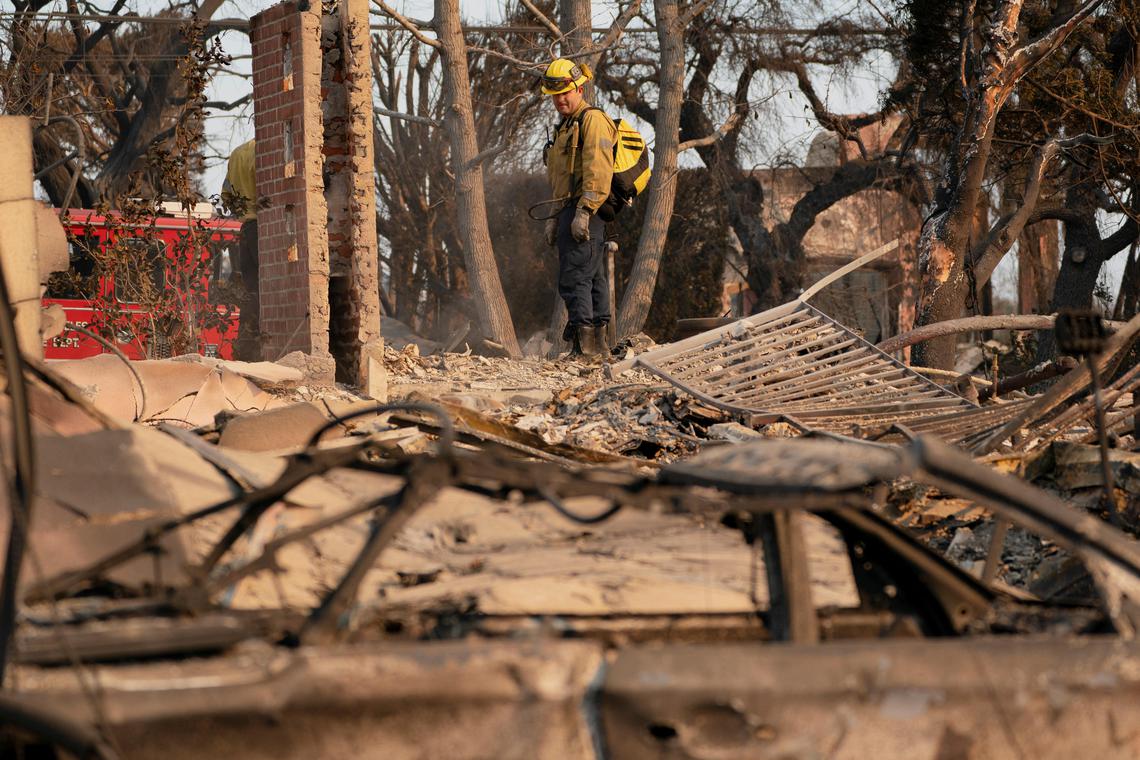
989	77
1037	265
470	201
638	294
1128	299
1085	255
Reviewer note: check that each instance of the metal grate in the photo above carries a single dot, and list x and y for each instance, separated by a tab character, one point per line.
796	362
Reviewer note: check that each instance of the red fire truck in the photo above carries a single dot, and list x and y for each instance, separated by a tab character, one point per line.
151	286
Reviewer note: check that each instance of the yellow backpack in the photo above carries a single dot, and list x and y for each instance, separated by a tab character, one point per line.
631	167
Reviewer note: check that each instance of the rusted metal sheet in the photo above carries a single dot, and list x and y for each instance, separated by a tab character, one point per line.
794	465
916	699
920	700
796	362
515	700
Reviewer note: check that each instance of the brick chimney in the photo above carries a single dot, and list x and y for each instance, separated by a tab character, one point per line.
312	93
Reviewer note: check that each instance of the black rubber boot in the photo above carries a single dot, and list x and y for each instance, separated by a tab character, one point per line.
571	334
584	341
602	340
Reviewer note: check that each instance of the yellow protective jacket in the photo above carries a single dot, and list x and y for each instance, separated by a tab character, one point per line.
240	178
582	168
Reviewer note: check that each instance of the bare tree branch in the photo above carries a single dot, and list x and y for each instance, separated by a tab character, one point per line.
628	95
1056	213
222	105
846	126
542	19
729	124
966	324
1006	230
696	10
617	28
407	23
91	41
1122	238
1028	55
1072	103
207	9
518	62
487	154
405	117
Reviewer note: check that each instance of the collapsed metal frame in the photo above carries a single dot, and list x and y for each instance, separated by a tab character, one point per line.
766	490
794	362
1055	425
762	489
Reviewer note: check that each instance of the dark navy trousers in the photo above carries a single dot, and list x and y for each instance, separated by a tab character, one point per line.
582	280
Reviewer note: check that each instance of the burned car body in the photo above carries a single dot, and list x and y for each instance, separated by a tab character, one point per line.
930	661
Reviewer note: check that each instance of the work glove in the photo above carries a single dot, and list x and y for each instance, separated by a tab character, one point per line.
580	227
551	231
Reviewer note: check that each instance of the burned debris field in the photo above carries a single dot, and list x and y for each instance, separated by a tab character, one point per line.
579	555
570	380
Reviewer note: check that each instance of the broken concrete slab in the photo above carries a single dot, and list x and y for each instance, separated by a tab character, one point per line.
173	391
100	491
53	412
285	428
198	408
267	375
134	471
318	370
53	320
111	387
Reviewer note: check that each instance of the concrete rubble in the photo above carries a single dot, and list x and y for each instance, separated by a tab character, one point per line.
550	559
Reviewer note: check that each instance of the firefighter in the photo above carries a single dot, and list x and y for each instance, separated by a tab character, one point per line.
579	165
239	194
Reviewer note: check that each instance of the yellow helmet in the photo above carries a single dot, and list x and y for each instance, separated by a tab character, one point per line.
563	75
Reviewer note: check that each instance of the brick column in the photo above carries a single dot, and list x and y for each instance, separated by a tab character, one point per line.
350	190
319	274
292	215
